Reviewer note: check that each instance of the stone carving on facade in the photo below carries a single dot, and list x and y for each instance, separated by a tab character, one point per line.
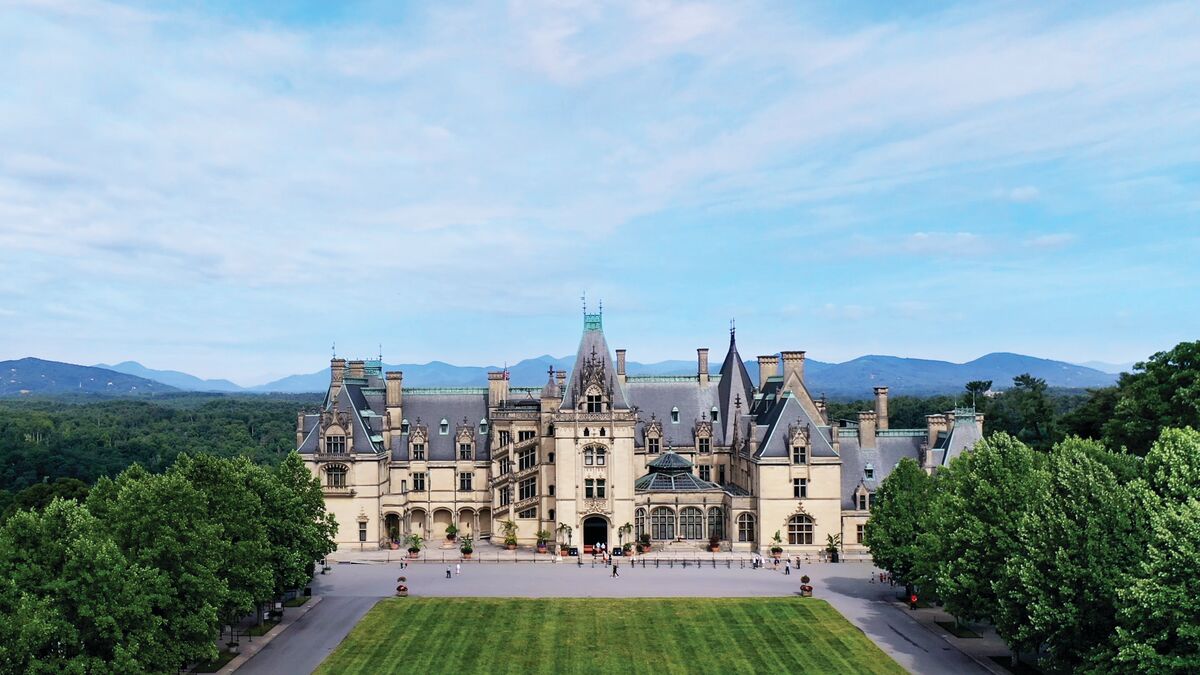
704	429
654	428
334	416
798	434
591	506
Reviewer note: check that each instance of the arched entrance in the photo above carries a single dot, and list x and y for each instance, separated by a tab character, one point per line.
595	531
392	525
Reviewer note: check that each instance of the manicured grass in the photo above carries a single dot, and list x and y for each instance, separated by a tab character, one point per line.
575	635
296	601
262	629
957	630
213	666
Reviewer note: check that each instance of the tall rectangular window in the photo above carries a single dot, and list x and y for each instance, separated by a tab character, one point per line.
505	437
862	502
705	472
525	435
505	495
335	445
705	445
362	531
859	530
800	488
464	481
505	466
721	474
600	493
594	403
527	489
418	452
799	454
589	488
652	445
526	458
464	451
418	482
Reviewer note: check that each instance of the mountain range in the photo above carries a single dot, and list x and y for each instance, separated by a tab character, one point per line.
37	377
851	379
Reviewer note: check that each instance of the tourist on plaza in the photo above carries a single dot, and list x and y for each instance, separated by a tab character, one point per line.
458	568
615	573
447	571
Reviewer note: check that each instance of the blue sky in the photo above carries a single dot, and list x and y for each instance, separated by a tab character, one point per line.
229	188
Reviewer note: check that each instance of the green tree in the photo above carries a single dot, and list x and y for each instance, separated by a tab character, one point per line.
1158	628
242	554
977	392
79	605
1162	392
39	495
311	529
971	529
161	521
1081	539
897	511
1035	410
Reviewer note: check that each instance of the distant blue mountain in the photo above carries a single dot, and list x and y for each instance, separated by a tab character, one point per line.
38	377
852	379
172	377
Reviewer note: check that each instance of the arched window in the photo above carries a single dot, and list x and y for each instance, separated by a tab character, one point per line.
662	524
691	523
674	415
745	524
594	456
587	431
483	427
444	427
404	426
714	414
335	476
601	431
716	522
639	523
800	530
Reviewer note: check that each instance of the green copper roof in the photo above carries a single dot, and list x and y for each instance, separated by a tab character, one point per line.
592	322
669	462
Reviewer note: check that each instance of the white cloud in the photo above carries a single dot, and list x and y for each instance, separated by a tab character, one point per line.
1023	194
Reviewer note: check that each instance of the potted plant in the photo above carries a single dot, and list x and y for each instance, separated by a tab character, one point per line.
714	543
543	536
234	647
414	545
510	535
644	543
805	589
776	545
622	531
451	531
401	587
832	542
626	548
466	547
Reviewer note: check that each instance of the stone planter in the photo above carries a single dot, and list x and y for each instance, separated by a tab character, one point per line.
511	547
466	556
414	554
234	648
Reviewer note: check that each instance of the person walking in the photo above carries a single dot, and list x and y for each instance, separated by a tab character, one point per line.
447	571
787	569
458	568
615	574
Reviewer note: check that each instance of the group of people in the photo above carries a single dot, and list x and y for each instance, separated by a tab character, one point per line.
759	562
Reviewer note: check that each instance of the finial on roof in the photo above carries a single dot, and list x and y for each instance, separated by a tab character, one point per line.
602	305
333	348
583	299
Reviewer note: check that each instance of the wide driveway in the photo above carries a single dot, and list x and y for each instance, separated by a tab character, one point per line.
350	590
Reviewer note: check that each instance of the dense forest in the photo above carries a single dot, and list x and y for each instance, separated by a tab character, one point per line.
84	438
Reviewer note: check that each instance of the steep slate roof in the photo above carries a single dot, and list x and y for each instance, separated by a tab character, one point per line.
593	343
659	398
883	458
431	408
735	382
963	435
782	414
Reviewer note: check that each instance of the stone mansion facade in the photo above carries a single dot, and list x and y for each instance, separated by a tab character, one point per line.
681	458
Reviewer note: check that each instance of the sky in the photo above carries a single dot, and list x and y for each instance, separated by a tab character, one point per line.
231	189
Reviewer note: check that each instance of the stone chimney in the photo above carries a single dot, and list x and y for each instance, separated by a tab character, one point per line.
299	428
702	365
820	403
768	366
394	397
561	375
881	411
497	388
358	368
621	366
866	429
793	364
935	424
337	370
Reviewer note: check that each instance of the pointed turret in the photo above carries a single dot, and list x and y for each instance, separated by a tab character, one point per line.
594	373
735	383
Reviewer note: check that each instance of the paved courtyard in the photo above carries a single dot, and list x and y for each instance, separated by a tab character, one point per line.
351	589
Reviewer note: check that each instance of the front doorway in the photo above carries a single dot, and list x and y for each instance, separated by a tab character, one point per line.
595	531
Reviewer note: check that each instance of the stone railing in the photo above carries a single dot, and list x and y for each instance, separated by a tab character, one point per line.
335	456
331	491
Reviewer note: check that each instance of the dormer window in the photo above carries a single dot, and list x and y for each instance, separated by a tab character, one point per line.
465	452
594	403
483	427
418	452
714	415
864	501
652	446
444	427
799	454
674	415
704	445
869	472
335	445
404	426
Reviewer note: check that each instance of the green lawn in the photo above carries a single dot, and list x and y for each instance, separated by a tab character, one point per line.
573	635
